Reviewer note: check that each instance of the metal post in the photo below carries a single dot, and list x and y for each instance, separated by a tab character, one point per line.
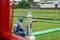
29	27
4	20
5	31
29	24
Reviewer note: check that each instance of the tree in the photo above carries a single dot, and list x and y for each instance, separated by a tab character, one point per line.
30	0
23	4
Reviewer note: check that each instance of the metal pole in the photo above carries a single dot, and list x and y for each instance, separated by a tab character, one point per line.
29	24
29	27
5	31
4	20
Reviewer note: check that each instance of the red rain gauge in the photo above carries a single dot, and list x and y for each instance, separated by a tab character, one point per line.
5	26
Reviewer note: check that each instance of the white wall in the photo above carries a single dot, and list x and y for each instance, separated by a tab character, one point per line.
36	0
58	6
47	6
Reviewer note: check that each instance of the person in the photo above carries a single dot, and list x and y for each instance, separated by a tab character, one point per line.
19	29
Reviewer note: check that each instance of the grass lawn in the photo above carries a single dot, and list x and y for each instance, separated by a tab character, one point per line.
38	26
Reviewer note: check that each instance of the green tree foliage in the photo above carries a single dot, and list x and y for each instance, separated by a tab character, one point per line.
23	4
30	0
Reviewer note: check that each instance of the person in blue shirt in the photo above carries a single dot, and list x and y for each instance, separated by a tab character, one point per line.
19	29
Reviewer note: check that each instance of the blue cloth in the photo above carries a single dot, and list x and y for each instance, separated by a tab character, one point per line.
18	28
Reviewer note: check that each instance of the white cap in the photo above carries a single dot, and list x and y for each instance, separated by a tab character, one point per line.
29	14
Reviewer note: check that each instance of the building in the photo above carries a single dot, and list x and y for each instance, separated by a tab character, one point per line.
50	4
36	2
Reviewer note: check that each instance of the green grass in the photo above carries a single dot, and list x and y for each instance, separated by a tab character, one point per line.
38	13
38	26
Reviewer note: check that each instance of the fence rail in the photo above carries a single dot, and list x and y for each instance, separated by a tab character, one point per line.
42	18
39	33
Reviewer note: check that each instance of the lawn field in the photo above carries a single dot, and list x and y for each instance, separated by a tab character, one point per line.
38	26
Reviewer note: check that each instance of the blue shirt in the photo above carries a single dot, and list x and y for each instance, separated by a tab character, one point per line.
19	30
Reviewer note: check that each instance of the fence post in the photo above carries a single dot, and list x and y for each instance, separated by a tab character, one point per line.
29	27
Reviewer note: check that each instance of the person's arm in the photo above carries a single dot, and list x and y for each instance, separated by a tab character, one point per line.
15	29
